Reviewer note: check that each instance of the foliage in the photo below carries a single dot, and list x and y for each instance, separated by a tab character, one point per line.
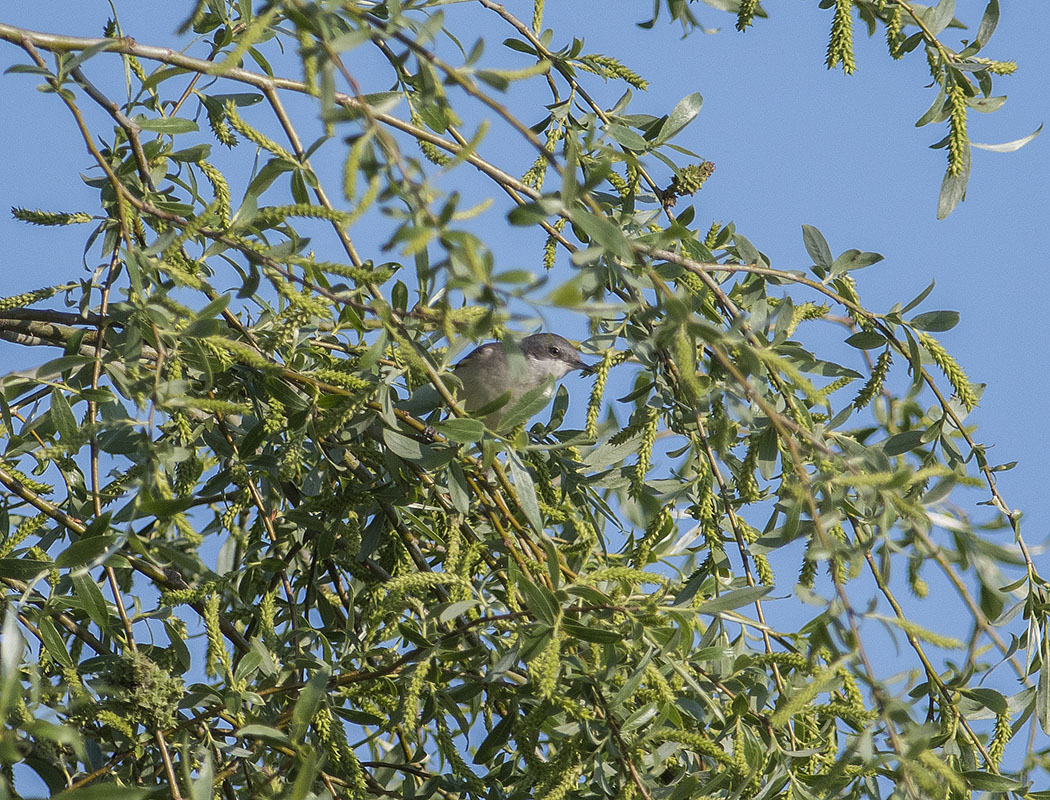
234	562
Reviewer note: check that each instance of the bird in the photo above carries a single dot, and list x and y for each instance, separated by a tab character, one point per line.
498	374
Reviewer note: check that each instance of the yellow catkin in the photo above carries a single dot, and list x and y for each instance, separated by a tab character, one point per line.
958	142
745	14
840	43
650	429
952	371
217	658
601	377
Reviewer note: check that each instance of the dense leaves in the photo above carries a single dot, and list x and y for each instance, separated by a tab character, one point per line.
251	544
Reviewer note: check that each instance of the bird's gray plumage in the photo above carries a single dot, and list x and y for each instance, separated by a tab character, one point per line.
500	369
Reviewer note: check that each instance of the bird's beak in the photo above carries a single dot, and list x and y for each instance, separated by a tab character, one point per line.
584	368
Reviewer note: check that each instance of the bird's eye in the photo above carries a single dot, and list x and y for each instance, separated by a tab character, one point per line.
553	350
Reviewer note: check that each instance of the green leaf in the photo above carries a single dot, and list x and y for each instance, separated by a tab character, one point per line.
626	137
919	298
602	232
590	633
172	125
853	259
539	600
85	551
103	791
309	766
630	686
309	701
525	407
953	188
191	155
988	22
23	569
497	737
1042	691
202	787
902	442
62	416
943	14
989	698
734	599
53	642
682	114
866	340
403	446
91	598
264	732
526	491
463	430
937	112
1009	147
990	782
935	321
817	246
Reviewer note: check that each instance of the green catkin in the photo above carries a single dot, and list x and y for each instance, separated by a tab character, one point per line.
537	16
255	136
27	298
363	274
840	43
447	748
601	377
997	67
430	151
220	189
550	246
698	743
217	659
745	14
952	371
873	386
220	128
711	239
1000	737
26	528
746	482
933	62
274	215
544	668
268	620
894	36
690	179
835	385
806	311
609	67
33	485
659	526
536	173
414	688
958	142
836	565
650	429
915	582
794	661
38	217
38	554
847	287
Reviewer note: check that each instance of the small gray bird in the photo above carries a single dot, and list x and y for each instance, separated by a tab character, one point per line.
495	370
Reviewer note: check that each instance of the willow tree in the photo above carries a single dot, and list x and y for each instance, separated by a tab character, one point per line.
235	561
